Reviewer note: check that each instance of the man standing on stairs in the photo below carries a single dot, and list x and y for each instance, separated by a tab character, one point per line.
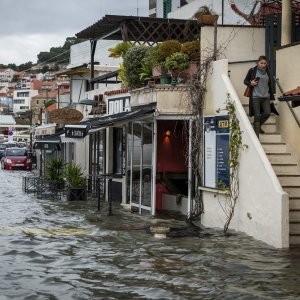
259	81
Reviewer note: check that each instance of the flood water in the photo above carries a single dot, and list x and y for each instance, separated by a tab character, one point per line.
54	249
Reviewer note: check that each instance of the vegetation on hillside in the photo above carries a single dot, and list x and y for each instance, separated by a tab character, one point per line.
49	60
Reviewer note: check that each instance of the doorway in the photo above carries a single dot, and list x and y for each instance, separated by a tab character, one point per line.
139	167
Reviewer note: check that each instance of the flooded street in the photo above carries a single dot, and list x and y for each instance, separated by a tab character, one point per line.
61	250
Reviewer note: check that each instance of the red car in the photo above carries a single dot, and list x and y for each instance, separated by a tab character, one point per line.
16	159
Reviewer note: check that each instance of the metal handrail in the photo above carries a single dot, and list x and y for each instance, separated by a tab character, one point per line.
288	104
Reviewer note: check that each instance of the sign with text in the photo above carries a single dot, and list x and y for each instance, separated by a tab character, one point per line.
118	105
76	132
216	154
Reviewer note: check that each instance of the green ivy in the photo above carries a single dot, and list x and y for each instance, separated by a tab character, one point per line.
234	149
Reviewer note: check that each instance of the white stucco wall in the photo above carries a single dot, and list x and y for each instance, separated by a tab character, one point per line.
81	54
288	73
229	17
241	46
262	209
236	43
81	151
169	99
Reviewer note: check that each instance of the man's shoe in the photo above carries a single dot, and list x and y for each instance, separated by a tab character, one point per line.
261	131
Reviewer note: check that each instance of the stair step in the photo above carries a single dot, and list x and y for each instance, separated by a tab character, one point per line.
294	227
293	191
281	158
270	138
285	169
274	147
289	179
294	216
294	239
294	203
270	127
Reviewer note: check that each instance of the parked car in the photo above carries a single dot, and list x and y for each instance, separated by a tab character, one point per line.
2	150
10	144
21	144
5	145
16	159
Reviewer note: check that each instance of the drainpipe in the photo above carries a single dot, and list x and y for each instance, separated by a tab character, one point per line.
286	31
190	171
154	163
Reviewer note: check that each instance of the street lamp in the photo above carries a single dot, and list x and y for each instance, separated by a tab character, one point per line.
87	101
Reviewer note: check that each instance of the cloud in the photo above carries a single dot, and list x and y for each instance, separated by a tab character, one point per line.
29	27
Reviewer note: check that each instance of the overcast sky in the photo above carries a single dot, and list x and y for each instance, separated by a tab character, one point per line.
28	27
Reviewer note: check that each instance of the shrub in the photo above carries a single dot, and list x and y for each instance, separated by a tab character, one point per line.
74	175
132	64
169	47
192	49
177	61
55	169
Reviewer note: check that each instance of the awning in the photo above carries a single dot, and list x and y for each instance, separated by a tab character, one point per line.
51	142
46	129
66	140
112	120
141	29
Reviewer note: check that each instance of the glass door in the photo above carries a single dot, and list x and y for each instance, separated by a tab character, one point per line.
140	166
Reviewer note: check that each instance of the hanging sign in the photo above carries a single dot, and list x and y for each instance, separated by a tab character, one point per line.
76	131
65	116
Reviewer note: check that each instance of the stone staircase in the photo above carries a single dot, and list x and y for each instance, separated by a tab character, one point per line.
286	169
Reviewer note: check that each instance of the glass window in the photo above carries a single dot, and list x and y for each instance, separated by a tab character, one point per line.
16	152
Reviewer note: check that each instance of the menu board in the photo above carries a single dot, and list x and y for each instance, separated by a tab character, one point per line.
216	154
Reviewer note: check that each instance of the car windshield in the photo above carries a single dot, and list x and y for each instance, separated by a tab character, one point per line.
9	145
2	146
16	152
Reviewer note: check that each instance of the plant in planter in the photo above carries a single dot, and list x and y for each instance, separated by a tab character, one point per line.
55	173
75	182
168	47
192	49
205	15
133	64
176	63
146	72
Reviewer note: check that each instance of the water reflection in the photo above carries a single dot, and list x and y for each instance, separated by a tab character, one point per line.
61	250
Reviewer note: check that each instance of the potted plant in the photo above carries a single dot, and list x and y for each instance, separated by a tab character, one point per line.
75	181
164	50
55	173
192	49
176	63
205	15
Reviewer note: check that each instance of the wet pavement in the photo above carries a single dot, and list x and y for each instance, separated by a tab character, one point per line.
54	249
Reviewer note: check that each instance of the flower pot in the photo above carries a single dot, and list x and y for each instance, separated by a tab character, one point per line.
157	71
165	79
207	19
191	70
75	194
